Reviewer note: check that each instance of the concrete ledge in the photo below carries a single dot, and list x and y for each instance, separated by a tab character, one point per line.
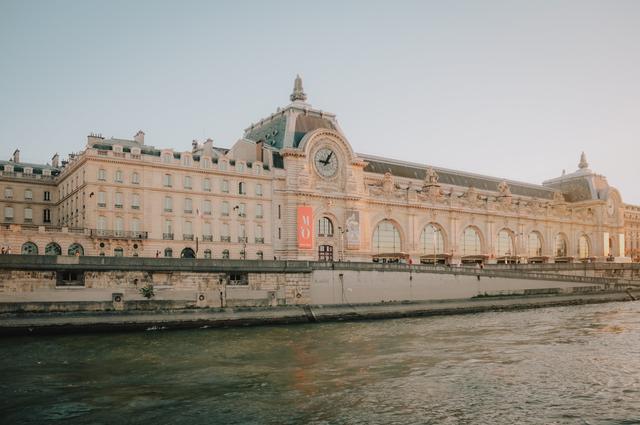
53	323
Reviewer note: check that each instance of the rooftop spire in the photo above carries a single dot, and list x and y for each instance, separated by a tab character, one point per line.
583	162
298	92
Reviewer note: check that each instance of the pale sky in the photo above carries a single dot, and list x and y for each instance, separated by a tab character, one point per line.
513	89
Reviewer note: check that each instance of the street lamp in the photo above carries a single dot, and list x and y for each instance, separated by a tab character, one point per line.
341	242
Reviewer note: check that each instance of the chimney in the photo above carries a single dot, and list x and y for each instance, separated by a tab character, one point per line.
16	156
54	161
139	137
259	147
208	144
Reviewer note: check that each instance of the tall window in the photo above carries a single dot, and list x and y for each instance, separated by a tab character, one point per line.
471	244
224	231
583	247
206	207
168	204
225	254
8	213
47	195
206	231
258	189
102	174
225	208
431	240
28	194
102	199
534	245
28	215
8	193
118	176
561	245
325	227
187	182
505	244
325	253
166	180
224	186
135	226
188	230
118	200
135	178
259	212
102	224
386	238
46	215
135	201
259	236
242	188
242	210
242	232
119	226
188	205
206	185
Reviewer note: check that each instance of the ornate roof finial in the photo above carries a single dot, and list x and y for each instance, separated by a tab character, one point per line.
583	162
298	92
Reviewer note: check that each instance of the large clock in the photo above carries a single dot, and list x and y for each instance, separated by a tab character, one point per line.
611	206
326	162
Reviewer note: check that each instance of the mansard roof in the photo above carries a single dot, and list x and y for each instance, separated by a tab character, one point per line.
409	170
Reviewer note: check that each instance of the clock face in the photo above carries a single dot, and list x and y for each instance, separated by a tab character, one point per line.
610	206
326	162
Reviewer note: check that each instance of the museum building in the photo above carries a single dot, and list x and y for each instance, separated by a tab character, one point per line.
293	188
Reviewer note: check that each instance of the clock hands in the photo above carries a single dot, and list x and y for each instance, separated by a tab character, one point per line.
326	160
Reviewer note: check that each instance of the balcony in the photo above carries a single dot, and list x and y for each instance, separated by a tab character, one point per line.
102	205
207	238
242	239
135	207
190	211
225	238
118	206
118	234
259	240
168	210
167	236
187	236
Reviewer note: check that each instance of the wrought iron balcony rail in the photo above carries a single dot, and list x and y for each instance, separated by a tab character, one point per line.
119	234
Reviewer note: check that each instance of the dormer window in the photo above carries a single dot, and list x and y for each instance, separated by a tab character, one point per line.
205	162
8	168
186	160
135	151
240	167
222	165
167	157
28	171
46	172
117	148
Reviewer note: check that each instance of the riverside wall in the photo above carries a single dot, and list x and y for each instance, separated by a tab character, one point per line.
230	291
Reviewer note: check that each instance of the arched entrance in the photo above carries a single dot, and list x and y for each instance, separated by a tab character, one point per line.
188	253
75	249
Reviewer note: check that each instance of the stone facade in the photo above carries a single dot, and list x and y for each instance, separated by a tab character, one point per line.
293	188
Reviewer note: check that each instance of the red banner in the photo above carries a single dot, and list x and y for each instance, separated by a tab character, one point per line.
305	227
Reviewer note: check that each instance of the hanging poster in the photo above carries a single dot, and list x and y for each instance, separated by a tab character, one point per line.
305	227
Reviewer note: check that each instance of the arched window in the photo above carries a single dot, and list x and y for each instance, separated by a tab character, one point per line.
259	255
75	249
207	253
534	245
29	248
386	238
583	247
187	253
561	245
471	244
325	227
225	254
431	240
168	252
52	249
242	188
504	246
118	252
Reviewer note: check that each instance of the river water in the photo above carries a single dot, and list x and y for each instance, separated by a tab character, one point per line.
578	364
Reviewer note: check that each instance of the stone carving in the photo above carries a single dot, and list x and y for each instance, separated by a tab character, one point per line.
387	183
503	187
298	92
471	197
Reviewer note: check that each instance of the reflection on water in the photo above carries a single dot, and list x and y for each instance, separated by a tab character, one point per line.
561	365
